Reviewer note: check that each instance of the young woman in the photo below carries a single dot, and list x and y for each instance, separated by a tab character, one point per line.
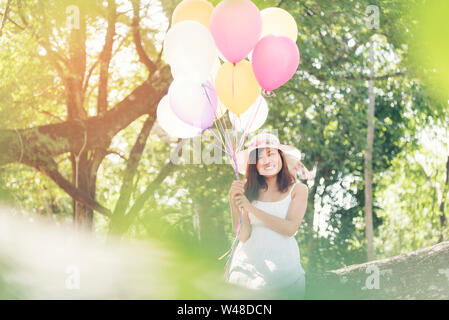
272	203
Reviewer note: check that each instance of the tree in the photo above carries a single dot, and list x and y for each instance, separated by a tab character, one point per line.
86	138
64	95
422	274
368	162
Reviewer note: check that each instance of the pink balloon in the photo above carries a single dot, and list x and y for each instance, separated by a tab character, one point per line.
236	26
275	60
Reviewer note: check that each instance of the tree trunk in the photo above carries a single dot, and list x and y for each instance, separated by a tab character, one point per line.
82	215
309	219
369	163
422	274
445	188
212	238
84	178
37	146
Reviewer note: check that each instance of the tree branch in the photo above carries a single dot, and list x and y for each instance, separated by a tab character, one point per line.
131	168
120	226
143	57
50	169
5	16
13	22
55	139
382	77
105	59
92	68
55	57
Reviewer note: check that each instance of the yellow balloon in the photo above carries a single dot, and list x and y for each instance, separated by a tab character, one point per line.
196	10
279	22
237	97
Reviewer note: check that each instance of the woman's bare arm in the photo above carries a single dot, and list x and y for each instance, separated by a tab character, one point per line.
237	188
245	229
245	232
295	213
235	215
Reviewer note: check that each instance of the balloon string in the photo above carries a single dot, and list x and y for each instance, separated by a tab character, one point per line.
231	255
227	141
268	94
233	68
227	136
222	149
237	239
219	138
235	162
235	135
233	151
221	135
246	130
230	140
226	132
221	125
219	121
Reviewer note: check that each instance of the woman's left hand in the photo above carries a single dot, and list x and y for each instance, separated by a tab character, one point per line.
242	202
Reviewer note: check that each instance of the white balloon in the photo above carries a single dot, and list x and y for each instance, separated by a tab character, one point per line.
214	71
253	118
171	123
221	108
193	102
279	22
189	49
250	56
221	56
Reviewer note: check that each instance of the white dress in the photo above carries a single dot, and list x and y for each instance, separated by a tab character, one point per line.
269	261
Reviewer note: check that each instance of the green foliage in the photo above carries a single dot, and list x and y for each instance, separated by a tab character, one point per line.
321	110
411	194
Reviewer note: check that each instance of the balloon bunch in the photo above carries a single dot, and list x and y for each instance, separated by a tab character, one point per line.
259	54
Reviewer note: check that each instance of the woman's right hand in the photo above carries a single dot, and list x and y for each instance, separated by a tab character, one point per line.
237	187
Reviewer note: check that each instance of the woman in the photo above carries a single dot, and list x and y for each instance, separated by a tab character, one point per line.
272	204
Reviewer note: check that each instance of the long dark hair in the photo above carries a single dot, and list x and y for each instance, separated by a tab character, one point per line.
255	181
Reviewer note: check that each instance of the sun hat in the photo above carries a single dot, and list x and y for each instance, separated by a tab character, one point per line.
268	140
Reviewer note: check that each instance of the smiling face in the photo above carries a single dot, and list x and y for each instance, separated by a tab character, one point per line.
269	162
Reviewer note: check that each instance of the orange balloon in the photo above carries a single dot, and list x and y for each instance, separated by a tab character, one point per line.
196	10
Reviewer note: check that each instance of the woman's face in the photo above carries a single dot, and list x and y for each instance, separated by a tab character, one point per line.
269	162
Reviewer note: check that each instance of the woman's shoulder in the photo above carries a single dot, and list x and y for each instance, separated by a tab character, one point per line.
299	187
